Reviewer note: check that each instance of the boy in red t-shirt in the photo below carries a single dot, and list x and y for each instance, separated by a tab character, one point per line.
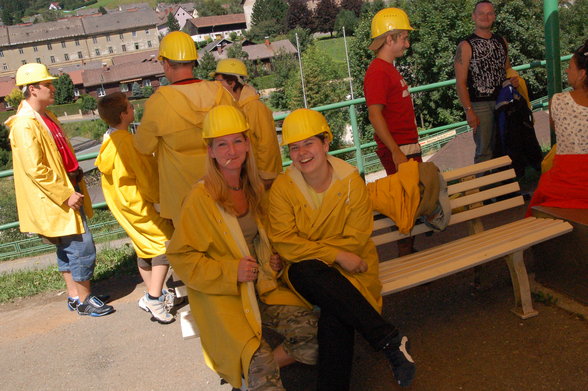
386	93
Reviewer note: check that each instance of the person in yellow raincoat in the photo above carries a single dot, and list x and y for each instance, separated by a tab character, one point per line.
51	195
130	187
225	260
231	72
321	221
171	126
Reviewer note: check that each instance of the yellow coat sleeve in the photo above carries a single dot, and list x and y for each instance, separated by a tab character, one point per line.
145	169
197	252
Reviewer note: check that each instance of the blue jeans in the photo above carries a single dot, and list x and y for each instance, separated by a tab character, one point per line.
77	254
485	133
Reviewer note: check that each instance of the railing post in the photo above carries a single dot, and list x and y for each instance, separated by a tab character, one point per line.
552	49
356	140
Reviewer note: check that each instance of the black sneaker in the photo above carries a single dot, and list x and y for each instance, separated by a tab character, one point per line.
401	362
93	306
72	304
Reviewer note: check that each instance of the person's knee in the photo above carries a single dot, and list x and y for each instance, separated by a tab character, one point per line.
305	269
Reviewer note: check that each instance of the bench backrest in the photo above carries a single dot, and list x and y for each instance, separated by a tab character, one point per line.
468	187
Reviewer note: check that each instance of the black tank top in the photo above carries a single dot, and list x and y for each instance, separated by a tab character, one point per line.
487	67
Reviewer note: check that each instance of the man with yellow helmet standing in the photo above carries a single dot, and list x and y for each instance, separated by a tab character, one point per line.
232	72
51	196
390	107
172	124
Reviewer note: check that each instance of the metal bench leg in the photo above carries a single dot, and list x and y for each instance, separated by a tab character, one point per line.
520	284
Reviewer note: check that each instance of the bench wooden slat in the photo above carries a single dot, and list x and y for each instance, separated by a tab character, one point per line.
477	168
484	195
480	182
543	230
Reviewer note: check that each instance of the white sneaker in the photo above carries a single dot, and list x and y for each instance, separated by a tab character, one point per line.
157	309
142	303
169	298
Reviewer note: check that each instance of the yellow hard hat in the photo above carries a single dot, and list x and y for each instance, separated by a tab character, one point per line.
389	19
230	66
32	73
177	46
302	124
223	120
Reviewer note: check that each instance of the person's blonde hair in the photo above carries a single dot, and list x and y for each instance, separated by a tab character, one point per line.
219	190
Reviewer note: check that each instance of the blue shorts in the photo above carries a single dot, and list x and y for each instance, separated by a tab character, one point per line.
77	254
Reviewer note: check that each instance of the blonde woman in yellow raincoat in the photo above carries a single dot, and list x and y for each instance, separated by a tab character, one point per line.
225	260
320	223
131	188
231	72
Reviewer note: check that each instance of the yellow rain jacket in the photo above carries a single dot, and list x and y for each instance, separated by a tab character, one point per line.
206	255
40	180
130	187
344	222
398	196
172	129
262	133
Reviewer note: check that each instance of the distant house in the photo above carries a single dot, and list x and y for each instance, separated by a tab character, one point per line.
7	84
215	27
181	12
54	6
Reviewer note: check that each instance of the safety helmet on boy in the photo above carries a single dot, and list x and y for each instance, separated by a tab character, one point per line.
302	124
177	46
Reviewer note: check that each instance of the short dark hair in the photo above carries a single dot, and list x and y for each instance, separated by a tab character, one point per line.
111	107
483	2
581	56
232	78
27	91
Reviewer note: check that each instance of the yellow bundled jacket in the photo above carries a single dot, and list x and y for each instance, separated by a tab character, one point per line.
172	129
343	222
130	187
262	133
205	251
397	196
40	180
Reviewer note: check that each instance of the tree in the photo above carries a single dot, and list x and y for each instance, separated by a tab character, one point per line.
269	16
5	150
172	23
352	5
217	7
102	10
88	103
283	64
64	89
574	29
146	91
304	37
14	97
163	81
347	19
324	16
266	28
206	65
136	91
298	15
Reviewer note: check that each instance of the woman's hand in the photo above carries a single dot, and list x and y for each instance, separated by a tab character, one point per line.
350	262
247	270
276	262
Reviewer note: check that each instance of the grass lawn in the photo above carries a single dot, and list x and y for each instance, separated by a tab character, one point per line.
115	3
334	47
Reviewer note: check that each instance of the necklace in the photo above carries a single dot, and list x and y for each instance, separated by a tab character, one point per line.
235	188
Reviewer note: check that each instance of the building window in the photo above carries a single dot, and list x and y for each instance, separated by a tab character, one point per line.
35	49
94	40
66	57
49	46
108	38
146	83
5	67
52	59
77	42
97	52
101	91
80	55
134	33
136	45
38	60
122	36
1	53
110	50
147	31
149	44
124	87
76	92
124	48
23	62
20	51
63	44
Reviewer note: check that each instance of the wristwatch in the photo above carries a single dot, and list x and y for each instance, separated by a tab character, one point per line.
467	108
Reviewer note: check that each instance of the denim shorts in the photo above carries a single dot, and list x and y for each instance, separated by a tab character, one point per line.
77	254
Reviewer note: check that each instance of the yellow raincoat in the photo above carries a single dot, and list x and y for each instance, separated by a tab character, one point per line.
344	222
40	180
398	196
205	251
172	129
262	133
130	187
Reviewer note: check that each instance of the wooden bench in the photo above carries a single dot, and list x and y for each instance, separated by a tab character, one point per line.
468	188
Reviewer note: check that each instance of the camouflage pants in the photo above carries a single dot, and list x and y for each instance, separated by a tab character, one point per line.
264	373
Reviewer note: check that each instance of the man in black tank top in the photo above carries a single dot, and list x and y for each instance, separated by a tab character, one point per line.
481	61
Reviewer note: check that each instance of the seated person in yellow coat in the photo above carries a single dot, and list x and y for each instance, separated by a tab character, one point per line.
321	221
226	262
130	187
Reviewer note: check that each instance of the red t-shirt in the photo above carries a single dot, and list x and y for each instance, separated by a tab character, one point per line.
383	85
67	155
